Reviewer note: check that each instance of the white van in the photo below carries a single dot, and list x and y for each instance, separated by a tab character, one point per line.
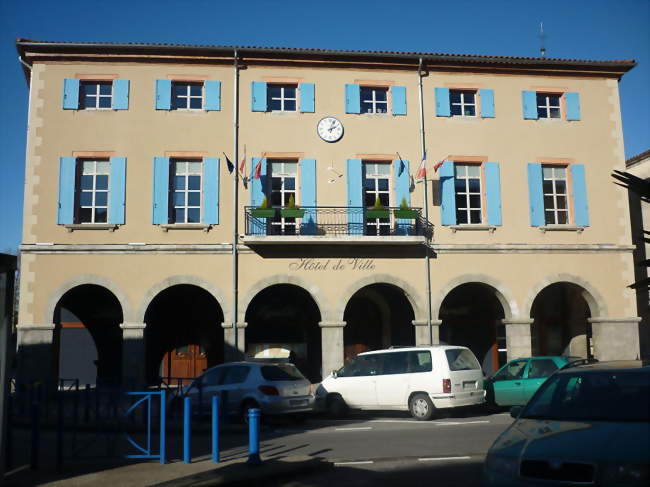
418	379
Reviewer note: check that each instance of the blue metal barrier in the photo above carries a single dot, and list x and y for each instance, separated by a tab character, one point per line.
187	431
215	429
254	437
147	398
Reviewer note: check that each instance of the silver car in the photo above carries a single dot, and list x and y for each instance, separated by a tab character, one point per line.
275	388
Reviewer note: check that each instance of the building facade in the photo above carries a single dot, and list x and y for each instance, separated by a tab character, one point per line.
517	242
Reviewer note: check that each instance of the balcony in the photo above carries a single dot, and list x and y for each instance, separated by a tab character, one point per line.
336	225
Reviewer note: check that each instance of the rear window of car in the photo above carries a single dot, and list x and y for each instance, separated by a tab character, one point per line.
461	359
281	372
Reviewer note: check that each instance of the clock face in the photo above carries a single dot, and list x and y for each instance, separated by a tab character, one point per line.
330	129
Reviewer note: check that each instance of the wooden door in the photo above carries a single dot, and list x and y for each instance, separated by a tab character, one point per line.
187	361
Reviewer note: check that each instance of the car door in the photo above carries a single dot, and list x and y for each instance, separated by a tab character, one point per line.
508	383
232	383
210	381
391	385
538	371
356	381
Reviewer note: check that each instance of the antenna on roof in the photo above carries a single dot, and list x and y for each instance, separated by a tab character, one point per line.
542	38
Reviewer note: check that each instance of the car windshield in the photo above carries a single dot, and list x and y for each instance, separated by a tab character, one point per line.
592	396
281	372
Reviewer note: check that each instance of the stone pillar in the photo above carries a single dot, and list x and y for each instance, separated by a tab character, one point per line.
229	352
37	360
422	332
615	338
518	338
331	345
134	359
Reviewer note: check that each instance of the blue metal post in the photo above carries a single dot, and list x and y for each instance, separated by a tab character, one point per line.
163	431
187	455
215	429
254	437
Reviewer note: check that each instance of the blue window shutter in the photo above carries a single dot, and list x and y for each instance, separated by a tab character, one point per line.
529	104
307	99
355	197
442	102
160	190
579	187
67	174
258	96
352	98
212	95
258	186
493	193
120	99
399	99
117	191
211	190
402	186
163	95
70	94
447	194
308	195
487	103
536	194
572	106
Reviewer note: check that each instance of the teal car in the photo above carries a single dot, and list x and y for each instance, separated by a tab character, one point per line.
516	382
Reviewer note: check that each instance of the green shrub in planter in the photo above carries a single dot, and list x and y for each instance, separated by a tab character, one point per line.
291	210
263	211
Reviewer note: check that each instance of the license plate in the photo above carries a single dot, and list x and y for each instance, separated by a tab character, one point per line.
298	402
469	384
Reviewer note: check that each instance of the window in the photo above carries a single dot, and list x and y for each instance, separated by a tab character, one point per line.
468	193
548	105
540	368
187	95
376	187
186	191
96	95
361	366
235	374
461	359
554	182
374	100
283	187
396	363
513	370
463	102
282	98
92	191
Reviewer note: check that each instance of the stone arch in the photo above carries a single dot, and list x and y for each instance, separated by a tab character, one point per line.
410	292
594	299
313	290
184	279
86	279
505	297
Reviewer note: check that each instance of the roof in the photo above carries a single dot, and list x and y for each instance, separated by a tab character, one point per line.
638	158
617	365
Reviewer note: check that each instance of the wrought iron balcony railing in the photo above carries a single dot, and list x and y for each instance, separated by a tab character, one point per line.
336	221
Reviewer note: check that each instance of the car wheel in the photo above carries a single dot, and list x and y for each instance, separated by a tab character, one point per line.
249	404
421	407
336	406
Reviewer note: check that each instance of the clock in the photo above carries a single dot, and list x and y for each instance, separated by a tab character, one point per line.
330	129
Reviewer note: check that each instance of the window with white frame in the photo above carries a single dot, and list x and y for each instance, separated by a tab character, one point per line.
186	191
374	99
283	188
187	95
554	181
282	98
376	186
95	95
468	193
462	102
548	105
92	191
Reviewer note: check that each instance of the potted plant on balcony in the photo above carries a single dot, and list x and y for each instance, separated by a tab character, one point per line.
291	210
405	211
378	210
263	211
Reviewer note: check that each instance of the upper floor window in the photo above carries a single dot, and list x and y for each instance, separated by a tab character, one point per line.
374	100
468	193
548	105
463	102
282	190
376	188
186	191
554	183
96	95
282	98
92	191
187	95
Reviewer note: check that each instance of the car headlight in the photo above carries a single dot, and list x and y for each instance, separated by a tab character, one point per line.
626	472
503	465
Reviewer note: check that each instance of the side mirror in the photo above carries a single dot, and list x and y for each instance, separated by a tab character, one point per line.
515	411
335	374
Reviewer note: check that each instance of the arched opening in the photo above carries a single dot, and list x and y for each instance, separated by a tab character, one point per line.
183	334
560	327
283	324
472	316
88	337
377	316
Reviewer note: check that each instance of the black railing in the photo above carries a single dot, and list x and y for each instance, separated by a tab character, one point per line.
337	221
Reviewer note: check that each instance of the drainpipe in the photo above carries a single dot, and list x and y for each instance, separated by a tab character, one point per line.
235	207
427	259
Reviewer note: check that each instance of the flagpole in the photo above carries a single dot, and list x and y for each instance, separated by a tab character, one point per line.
235	209
426	207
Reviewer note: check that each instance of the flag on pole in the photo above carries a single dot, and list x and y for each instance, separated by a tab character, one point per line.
437	165
231	166
402	166
242	165
258	170
422	170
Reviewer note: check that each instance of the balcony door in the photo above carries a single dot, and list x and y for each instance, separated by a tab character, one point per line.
376	186
283	187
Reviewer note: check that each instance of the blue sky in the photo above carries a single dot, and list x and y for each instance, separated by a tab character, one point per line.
582	29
